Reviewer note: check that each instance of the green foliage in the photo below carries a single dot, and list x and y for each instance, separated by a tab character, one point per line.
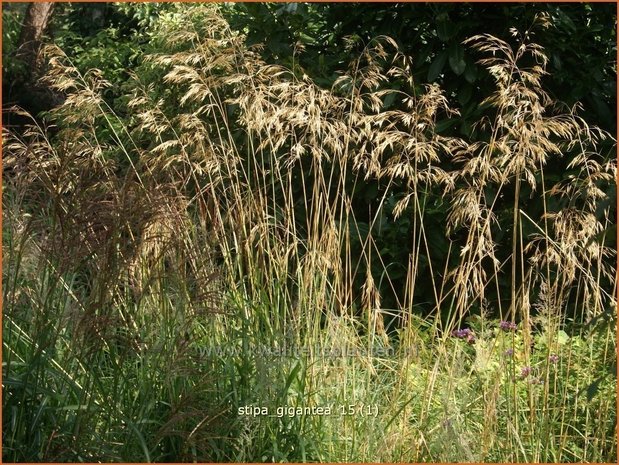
111	39
433	34
12	69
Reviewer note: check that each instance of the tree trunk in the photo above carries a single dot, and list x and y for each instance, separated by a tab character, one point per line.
25	89
35	23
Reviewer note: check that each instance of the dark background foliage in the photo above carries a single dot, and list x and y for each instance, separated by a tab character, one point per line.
581	44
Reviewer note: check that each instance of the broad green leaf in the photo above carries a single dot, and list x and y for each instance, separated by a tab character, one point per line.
446	123
562	337
593	389
456	59
464	94
389	99
443	31
470	73
437	66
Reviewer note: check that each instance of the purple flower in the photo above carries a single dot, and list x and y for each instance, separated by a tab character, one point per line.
507	326
461	333
465	333
509	353
524	372
554	358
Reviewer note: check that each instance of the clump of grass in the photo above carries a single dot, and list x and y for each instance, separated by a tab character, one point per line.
151	261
